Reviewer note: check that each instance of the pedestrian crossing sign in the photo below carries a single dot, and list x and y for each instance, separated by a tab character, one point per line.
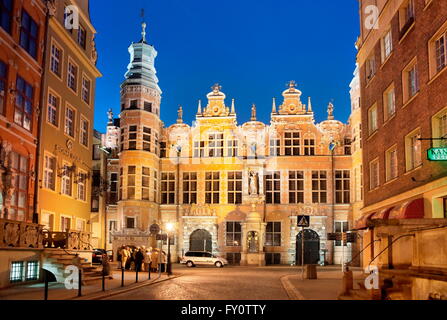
303	221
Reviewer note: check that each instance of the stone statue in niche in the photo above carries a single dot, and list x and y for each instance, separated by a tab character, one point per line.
253	183
253	242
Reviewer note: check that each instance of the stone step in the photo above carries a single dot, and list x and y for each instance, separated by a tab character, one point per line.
93	279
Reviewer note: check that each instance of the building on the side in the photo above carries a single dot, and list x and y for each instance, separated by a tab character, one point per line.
22	33
232	189
66	146
402	61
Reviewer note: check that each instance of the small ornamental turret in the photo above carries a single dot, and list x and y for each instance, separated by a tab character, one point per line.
309	105
274	106
199	108
180	115
233	108
253	112
330	111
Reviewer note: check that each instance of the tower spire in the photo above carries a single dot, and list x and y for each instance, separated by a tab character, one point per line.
199	108
309	105
253	112
143	27
233	108
274	105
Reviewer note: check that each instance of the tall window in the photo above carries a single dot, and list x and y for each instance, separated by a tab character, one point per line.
273	187
413	82
439	124
20	173
370	67
147	106
275	147
82	178
145	182
17	272
387	45
52	111
199	149
155	174
372	119
130	223
215	145
168	188
391	164
72	76
413	150
82	36
23	114
292	143
131	174
28	34
66	182
235	187
319	186
84	132
340	226
441	52
374	174
233	234
56	60
65	223
232	148
113	194
3	82
212	187
147	139
162	149
309	147
6	14
86	90
32	271
49	169
132	139
273	234
342	186
389	102
296	187
69	121
189	187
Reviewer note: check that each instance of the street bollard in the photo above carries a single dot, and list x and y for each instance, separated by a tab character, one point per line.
149	272
136	274
122	277
46	285
103	281
80	283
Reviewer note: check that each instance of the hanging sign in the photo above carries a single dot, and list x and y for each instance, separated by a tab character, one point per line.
437	154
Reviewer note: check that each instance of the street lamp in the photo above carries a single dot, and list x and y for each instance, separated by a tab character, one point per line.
169	229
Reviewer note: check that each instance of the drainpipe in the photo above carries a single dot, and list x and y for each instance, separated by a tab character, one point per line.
39	116
333	202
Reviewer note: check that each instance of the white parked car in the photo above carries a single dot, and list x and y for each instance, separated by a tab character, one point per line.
195	258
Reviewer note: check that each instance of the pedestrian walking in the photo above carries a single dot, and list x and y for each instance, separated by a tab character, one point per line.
124	257
139	258
147	259
119	255
163	261
154	259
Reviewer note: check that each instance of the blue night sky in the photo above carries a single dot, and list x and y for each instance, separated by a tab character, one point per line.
252	48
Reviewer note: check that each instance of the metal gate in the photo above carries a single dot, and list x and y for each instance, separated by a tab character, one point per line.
311	247
200	240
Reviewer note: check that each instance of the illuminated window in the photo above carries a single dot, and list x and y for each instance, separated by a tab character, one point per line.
23	113
32	270
389	102
66	182
273	234
49	169
233	234
215	145
17	272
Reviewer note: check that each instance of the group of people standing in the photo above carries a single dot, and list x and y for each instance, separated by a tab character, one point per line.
142	259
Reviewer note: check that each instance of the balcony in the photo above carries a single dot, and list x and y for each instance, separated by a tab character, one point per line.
17	234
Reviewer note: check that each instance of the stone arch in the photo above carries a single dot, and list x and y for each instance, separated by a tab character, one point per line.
200	240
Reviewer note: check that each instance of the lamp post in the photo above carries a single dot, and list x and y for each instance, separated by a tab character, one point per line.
169	229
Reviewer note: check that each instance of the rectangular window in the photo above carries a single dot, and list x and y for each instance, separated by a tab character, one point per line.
155	185
292	143
82	36
6	14
145	183
113	194
28	34
370	67
372	119
130	223
199	149
309	147
319	186
53	107
413	150
113	227
389	102
147	106
439	123
17	272
189	187
72	76
273	234
374	174
233	234
65	224
387	45
66	183
23	114
82	179
48	175
296	187
56	60
215	145
275	147
272	258
340	226
3	85
391	164
342	186
441	52
86	90
235	187
410	81
212	187
20	176
413	82
132	138
131	174
147	139
80	225
84	132
69	121
232	148
162	149
273	188
168	188
32	270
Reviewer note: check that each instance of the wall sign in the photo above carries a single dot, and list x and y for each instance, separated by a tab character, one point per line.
437	154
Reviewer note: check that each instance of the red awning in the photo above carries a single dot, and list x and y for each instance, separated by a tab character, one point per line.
383	214
413	209
362	222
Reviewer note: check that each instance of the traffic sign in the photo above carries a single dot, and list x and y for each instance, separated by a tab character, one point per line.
303	221
154	229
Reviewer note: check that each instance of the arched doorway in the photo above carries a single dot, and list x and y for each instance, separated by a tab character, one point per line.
311	247
200	240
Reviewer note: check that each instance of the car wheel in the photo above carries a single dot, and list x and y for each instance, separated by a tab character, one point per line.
218	264
190	264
